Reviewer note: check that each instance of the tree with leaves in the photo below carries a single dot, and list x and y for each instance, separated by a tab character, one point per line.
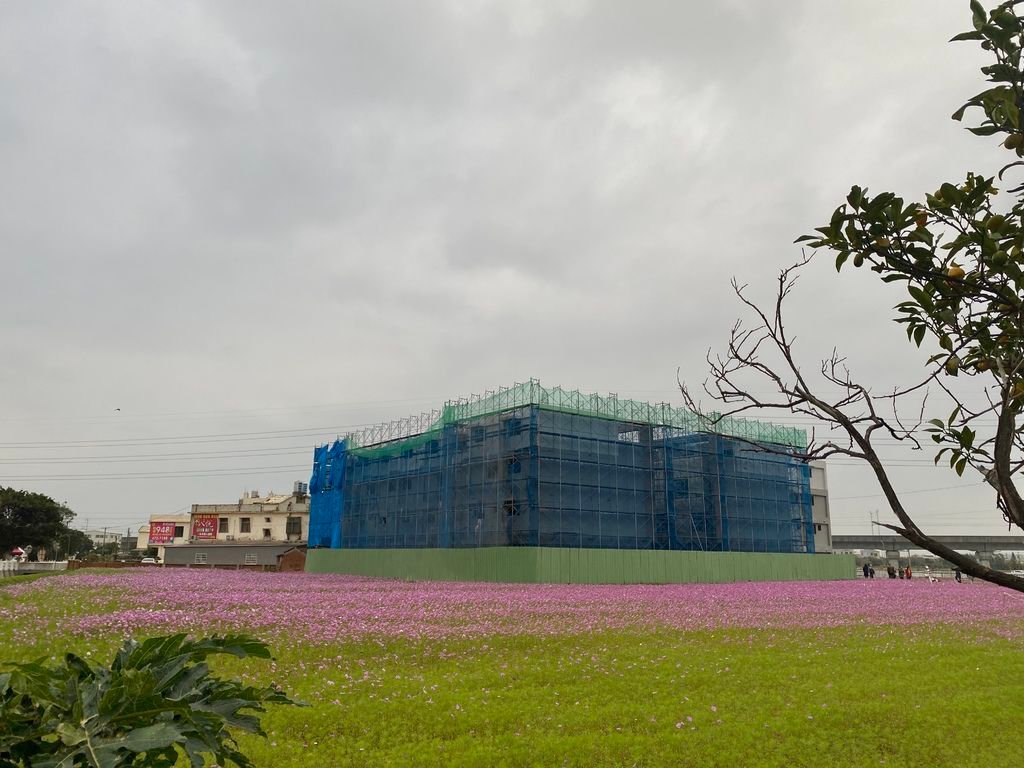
73	543
959	253
31	519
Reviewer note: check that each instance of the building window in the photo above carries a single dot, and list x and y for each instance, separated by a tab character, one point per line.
294	526
200	558
223	525
817	527
246	525
266	533
179	531
251	559
266	519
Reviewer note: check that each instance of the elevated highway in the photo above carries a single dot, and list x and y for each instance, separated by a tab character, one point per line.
892	542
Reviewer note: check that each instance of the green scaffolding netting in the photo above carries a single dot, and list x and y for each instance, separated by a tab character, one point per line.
395	438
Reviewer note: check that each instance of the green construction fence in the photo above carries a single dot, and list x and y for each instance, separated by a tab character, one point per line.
579	566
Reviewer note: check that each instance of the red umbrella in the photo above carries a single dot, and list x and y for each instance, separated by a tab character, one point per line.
18	551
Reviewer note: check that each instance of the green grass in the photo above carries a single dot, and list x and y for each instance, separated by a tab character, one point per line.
910	696
24	578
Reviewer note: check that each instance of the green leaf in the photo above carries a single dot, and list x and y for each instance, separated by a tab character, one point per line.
156	697
919	334
975	35
921	297
841	259
144	739
978	14
960	466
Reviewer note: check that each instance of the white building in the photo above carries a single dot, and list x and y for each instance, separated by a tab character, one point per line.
164	530
253	518
819	508
102	536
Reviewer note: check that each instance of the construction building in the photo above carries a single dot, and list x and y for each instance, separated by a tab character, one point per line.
530	467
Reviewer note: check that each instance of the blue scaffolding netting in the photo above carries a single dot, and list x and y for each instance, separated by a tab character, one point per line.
524	467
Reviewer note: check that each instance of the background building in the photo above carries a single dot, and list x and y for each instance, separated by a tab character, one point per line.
819	508
163	531
530	466
270	519
223	554
102	537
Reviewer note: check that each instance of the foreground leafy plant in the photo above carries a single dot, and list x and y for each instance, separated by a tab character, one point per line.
156	700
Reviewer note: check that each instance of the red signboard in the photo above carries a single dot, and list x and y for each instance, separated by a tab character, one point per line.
161	533
204	526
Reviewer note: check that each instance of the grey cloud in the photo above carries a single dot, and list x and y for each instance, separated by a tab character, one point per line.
245	205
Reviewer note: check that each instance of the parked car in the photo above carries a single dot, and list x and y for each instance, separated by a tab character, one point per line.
149	561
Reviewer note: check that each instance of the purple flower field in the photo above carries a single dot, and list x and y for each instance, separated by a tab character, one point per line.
328	608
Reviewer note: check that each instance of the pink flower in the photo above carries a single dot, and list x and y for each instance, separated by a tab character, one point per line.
325	608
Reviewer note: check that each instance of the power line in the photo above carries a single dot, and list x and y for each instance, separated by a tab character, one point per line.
307	450
120	417
213	472
243	453
906	493
224	437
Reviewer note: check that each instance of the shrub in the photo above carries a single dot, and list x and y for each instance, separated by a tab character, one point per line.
156	700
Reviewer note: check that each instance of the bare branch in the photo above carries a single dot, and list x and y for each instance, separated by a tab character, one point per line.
765	353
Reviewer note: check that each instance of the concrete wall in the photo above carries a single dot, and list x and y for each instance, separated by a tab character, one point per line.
223	555
13	567
578	566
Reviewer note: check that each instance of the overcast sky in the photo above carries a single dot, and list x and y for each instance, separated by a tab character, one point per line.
251	225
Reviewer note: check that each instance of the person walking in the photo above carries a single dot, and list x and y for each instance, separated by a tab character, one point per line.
871	572
865	569
958	575
909	572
